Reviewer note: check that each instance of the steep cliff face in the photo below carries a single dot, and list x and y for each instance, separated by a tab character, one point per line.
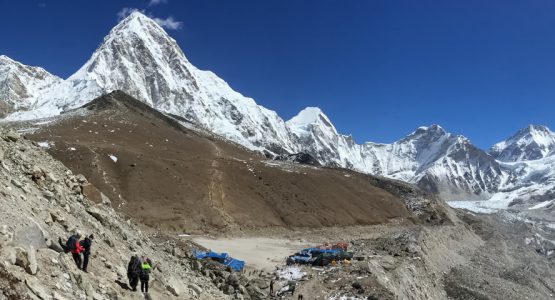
20	84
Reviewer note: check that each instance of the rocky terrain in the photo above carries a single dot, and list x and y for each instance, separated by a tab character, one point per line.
432	253
42	200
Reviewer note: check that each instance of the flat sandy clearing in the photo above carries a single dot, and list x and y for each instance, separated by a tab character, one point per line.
257	252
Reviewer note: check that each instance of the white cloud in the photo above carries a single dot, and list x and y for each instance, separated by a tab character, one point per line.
168	23
156	2
126	11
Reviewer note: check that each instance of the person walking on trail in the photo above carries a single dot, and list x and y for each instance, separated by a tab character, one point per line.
272	282
146	267
86	244
133	271
72	245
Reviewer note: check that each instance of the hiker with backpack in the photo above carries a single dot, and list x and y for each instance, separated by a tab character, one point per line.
86	244
133	271
144	276
72	245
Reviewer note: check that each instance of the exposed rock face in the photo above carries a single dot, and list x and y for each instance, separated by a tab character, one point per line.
20	83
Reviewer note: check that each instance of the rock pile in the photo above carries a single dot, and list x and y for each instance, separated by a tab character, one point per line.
231	283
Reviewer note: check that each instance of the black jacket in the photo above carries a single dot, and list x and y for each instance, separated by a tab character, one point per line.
134	266
86	244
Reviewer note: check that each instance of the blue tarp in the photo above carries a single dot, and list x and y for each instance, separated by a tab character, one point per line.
316	251
234	264
224	258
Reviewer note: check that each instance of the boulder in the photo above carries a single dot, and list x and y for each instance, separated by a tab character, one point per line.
56	247
33	266
255	293
229	290
11	136
34	285
92	193
26	259
99	215
6	236
197	289
260	283
16	183
36	173
174	286
81	178
233	279
32	235
8	254
387	262
21	257
242	289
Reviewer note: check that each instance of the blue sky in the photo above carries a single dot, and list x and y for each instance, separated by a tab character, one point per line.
378	69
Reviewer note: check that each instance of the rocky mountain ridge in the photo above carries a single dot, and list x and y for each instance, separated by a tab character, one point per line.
141	59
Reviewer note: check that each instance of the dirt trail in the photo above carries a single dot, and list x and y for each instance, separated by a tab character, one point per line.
216	194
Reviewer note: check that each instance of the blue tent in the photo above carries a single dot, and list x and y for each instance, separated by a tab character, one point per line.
224	258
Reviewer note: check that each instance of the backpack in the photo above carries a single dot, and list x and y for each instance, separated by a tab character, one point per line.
71	243
145	271
135	265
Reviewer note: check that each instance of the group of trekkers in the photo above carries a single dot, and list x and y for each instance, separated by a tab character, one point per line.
76	246
138	269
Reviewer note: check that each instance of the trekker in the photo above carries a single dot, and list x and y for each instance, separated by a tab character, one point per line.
86	244
272	286
72	245
133	271
146	267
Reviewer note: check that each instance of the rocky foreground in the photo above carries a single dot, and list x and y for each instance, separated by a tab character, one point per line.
437	253
42	200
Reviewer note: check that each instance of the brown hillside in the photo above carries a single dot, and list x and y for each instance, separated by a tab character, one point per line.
176	178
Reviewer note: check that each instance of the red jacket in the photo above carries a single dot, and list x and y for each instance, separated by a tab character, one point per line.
78	248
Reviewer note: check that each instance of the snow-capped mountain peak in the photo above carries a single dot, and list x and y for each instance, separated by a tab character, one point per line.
530	143
141	59
428	133
19	83
307	118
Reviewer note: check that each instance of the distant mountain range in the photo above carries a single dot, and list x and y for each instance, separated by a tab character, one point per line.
141	59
